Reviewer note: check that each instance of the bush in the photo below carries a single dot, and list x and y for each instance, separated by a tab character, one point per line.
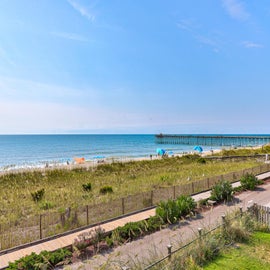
87	187
168	211
46	205
238	229
154	223
92	237
106	189
222	191
249	181
186	205
201	160
45	260
171	210
38	195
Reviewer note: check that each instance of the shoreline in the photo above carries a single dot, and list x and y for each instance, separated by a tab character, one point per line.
96	162
109	160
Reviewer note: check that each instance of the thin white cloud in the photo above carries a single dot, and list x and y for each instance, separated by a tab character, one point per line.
188	25
250	45
192	27
84	11
236	9
211	42
70	36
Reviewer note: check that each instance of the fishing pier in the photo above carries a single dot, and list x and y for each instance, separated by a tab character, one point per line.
213	140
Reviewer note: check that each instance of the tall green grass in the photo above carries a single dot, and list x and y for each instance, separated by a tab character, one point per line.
63	188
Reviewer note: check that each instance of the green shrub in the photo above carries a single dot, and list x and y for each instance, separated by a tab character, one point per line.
190	158
201	160
165	179
87	187
186	205
106	189
249	181
38	195
168	211
131	230
238	229
171	210
109	241
46	205
44	260
238	189
206	250
222	191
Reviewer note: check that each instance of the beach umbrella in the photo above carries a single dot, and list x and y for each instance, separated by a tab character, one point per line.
198	148
98	157
160	151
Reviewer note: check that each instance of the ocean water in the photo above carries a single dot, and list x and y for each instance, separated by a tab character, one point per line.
28	151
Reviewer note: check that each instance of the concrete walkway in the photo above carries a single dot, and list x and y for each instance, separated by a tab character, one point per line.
67	240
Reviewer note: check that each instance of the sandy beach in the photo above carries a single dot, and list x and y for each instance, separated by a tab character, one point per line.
89	164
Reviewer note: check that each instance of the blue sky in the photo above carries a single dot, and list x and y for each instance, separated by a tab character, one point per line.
125	66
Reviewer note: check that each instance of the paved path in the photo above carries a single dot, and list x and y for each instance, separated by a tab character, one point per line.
67	240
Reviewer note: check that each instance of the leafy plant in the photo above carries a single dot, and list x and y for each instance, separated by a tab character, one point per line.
46	205
87	187
222	191
44	260
249	181
106	189
38	195
186	205
168	211
201	160
171	210
92	237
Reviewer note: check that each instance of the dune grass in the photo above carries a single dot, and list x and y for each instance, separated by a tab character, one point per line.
265	149
64	188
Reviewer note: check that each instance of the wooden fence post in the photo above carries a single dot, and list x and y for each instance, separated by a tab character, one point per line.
200	235
169	247
123	206
87	215
40	226
223	222
241	211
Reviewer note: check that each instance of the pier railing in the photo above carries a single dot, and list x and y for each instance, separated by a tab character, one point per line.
213	140
51	224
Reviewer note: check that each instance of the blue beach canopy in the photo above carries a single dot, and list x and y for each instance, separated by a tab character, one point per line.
198	148
99	157
160	151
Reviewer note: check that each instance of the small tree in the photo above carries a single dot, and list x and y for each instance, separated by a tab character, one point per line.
249	181
222	191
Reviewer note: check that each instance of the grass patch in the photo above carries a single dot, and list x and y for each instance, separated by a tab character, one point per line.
255	255
265	149
64	187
